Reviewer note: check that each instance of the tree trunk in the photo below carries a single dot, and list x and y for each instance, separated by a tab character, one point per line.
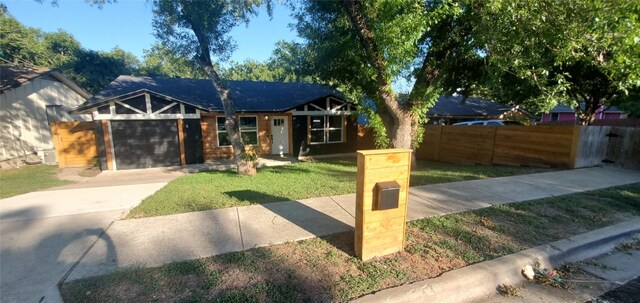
244	165
588	114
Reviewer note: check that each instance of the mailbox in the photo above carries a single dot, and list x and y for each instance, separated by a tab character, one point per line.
386	195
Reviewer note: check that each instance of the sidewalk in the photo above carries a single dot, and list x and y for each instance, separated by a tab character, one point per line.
159	240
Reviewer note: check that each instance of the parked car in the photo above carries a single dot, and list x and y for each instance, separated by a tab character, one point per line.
489	122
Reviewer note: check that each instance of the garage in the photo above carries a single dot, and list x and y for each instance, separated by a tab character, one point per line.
145	143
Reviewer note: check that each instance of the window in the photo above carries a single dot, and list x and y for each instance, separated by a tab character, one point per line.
325	129
248	131
555	116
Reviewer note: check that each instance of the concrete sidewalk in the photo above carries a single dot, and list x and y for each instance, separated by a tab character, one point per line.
159	240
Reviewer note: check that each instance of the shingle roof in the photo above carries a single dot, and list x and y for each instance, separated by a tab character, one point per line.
566	109
248	96
14	76
453	106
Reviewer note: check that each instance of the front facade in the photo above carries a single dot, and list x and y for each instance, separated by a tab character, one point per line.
566	115
31	98
157	122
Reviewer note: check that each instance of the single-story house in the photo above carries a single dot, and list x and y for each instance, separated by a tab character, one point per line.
562	113
452	109
30	99
155	122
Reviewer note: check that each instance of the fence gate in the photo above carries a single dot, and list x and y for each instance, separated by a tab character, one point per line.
75	143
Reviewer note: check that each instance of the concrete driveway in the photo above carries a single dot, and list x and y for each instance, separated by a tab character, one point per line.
44	234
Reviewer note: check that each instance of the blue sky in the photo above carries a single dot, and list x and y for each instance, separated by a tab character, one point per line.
127	24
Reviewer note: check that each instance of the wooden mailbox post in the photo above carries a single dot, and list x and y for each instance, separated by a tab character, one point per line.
380	219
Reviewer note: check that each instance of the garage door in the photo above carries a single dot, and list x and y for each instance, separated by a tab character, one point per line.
142	144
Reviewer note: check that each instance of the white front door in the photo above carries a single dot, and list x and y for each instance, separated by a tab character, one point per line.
280	136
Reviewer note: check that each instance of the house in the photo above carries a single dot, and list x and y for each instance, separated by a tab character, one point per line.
565	114
155	122
452	109
30	99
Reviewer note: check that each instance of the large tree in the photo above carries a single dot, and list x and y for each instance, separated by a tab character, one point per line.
583	53
162	61
366	46
201	30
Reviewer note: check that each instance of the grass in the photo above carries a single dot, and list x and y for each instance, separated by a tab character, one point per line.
325	269
17	181
214	190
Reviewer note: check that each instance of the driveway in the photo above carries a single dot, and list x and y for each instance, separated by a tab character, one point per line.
44	234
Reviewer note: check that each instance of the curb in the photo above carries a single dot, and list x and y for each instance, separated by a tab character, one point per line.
479	281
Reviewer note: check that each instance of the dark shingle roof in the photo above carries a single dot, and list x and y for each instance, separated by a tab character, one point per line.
566	109
14	76
453	106
248	96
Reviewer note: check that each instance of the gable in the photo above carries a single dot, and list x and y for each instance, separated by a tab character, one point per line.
145	105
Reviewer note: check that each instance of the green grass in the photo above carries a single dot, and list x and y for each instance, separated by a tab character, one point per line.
214	190
325	269
17	181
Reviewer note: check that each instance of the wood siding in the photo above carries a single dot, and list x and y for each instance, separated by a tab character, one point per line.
75	143
23	116
211	149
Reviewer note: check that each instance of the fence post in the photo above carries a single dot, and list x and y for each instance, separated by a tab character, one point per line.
575	146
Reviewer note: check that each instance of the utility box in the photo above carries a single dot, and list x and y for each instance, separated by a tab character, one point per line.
386	195
382	191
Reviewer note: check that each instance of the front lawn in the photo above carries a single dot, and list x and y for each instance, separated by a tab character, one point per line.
17	181
213	190
325	269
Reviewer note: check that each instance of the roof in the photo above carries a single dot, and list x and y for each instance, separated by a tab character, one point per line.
12	76
560	108
248	96
456	106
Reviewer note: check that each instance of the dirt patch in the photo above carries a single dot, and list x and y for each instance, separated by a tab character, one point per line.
78	174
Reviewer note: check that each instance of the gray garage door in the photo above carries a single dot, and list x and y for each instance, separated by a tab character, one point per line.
143	144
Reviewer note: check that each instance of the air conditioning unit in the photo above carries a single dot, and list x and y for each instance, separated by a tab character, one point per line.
48	156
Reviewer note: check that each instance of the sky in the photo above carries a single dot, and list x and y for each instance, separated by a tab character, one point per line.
127	24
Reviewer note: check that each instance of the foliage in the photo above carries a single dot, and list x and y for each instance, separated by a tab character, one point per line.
541	53
364	46
162	61
92	70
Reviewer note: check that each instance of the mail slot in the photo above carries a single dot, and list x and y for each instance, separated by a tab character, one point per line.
386	195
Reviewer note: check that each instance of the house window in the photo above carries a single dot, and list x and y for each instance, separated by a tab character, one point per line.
248	131
555	116
325	129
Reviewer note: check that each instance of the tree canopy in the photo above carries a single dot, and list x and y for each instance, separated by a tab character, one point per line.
365	46
92	70
582	53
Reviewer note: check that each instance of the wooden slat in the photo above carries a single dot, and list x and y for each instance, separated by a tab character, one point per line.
379	232
106	134
183	159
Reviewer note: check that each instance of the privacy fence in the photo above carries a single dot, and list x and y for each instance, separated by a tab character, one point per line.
556	146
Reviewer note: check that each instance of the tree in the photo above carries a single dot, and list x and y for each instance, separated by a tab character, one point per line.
583	53
162	61
92	70
201	30
251	70
364	46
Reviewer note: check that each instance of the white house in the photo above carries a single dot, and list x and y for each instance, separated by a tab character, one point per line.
30	99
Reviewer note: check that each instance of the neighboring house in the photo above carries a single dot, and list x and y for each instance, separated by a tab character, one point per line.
565	114
30	99
452	109
156	122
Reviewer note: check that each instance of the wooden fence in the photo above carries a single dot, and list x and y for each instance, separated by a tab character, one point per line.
542	145
75	143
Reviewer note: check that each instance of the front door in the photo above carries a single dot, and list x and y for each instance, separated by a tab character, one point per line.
279	136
